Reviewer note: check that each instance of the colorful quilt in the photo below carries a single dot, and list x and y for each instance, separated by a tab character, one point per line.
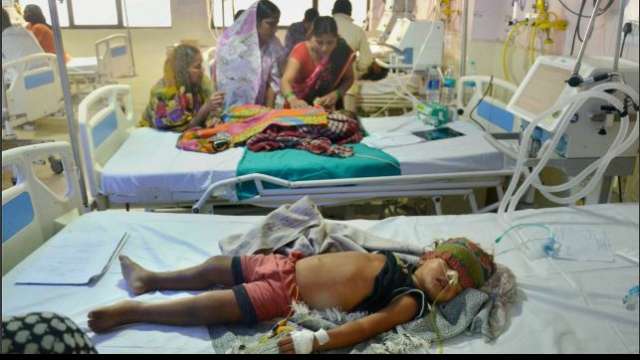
245	121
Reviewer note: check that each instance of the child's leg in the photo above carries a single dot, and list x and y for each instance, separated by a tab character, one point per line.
214	271
212	307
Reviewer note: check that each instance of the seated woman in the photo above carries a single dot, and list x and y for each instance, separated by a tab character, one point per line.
250	58
37	24
319	71
182	98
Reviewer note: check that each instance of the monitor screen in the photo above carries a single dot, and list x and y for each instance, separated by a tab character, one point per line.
543	89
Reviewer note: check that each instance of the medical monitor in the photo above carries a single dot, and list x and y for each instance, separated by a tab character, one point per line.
545	85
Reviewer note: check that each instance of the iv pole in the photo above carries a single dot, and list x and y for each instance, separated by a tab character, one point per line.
576	80
464	38
68	104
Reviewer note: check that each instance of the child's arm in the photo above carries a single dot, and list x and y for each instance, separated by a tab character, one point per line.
398	312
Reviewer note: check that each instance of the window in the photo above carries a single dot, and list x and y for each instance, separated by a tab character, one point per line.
147	13
94	13
359	10
108	13
63	13
291	10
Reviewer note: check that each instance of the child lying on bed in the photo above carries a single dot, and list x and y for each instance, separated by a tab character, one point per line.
262	287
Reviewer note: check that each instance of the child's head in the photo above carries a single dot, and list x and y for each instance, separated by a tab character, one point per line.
453	266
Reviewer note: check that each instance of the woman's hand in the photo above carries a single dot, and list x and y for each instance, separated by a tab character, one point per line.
328	101
215	102
298	103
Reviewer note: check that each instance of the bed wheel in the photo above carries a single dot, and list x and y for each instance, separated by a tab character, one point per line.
56	165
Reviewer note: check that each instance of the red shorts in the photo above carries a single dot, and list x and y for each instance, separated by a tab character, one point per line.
265	285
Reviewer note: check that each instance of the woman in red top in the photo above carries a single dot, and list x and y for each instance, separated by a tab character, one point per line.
319	70
37	24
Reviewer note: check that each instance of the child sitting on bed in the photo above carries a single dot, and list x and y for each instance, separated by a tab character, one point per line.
263	287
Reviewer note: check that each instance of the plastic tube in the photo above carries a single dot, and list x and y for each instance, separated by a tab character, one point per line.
619	145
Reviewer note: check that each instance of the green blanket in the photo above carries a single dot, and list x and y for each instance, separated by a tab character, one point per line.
300	165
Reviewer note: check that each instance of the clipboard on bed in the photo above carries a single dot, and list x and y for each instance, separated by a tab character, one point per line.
77	259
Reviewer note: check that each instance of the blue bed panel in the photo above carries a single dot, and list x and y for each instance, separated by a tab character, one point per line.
106	127
496	115
37	80
118	51
16	215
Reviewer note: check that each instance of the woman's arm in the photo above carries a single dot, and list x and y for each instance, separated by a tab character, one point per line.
398	312
290	74
329	101
214	103
270	98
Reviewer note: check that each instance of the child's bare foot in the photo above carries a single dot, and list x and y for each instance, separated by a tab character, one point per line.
109	317
137	277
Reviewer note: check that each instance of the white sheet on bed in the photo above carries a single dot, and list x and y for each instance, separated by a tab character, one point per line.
82	65
465	153
149	161
553	318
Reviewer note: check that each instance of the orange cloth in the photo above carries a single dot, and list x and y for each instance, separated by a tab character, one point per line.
44	35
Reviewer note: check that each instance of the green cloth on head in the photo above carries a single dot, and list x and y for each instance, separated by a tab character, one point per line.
474	265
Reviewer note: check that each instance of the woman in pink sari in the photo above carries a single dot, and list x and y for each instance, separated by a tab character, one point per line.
250	58
319	70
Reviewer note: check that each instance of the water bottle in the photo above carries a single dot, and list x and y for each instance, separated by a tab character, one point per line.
630	300
469	87
449	88
433	86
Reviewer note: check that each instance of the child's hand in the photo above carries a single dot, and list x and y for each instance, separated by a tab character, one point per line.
285	345
306	342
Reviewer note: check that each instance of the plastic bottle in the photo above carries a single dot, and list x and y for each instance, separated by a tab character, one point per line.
631	298
433	86
469	86
448	88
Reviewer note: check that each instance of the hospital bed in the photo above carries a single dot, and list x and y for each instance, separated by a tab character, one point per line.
140	166
113	60
579	310
35	76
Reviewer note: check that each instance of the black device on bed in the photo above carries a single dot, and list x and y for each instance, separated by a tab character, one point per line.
438	134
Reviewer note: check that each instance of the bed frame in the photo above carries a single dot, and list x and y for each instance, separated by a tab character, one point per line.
32	213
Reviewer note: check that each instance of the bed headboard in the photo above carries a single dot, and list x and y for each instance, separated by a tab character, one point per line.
33	77
115	57
30	208
104	118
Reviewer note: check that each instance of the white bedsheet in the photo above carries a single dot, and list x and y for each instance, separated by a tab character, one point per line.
150	162
465	153
553	318
81	65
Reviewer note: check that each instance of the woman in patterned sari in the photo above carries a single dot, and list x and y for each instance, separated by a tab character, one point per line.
319	70
182	98
250	58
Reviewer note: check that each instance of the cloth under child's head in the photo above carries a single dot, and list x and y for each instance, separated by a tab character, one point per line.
454	265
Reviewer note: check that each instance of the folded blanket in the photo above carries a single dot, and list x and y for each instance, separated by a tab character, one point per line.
342	128
263	129
243	122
